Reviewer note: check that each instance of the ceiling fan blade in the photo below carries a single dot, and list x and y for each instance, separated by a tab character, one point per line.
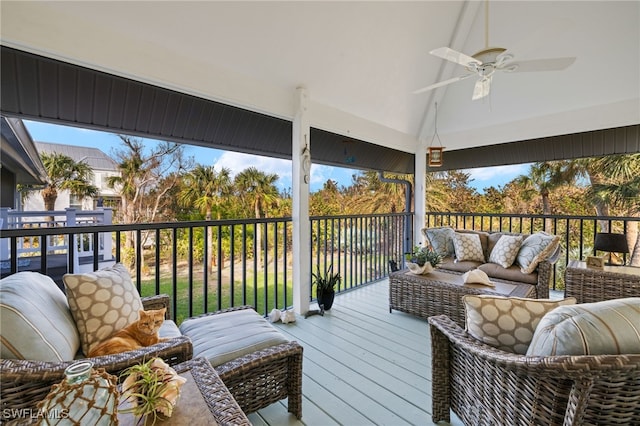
442	83
482	88
455	56
555	64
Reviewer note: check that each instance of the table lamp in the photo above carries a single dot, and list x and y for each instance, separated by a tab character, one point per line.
613	243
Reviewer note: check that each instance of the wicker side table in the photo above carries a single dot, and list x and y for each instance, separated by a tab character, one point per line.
594	285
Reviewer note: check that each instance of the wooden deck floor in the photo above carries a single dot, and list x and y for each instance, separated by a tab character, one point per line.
362	365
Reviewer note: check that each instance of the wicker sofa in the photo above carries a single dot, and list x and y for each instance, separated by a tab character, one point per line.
487	386
539	277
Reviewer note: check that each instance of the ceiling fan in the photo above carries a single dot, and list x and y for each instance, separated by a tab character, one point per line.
485	63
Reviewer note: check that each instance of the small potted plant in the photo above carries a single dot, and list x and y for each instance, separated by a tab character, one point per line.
325	287
422	260
152	389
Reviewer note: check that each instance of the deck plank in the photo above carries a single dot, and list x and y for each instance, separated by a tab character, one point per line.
362	365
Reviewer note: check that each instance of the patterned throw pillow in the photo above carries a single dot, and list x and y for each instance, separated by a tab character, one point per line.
468	247
102	303
507	323
535	249
441	240
35	318
610	327
506	249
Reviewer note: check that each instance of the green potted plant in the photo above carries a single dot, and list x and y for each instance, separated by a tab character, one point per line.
325	287
152	390
422	260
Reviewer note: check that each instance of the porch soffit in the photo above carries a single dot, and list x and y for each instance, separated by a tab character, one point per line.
44	89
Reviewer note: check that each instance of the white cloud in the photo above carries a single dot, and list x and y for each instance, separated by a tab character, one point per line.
502	173
237	162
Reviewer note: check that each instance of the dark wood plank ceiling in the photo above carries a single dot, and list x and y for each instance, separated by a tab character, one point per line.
39	88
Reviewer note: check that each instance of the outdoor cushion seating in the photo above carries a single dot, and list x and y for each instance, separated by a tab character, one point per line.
484	384
254	360
39	340
525	258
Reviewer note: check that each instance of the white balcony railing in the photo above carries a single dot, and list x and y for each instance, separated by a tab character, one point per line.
29	246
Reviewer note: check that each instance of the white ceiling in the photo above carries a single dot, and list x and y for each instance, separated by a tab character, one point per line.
360	61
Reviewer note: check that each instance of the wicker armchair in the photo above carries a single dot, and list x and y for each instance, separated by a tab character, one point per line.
486	386
26	382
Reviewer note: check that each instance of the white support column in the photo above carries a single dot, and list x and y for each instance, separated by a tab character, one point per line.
420	193
301	163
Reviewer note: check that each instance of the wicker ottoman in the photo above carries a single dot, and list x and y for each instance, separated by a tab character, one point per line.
255	361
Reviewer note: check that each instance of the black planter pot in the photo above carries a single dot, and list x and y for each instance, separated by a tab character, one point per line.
326	299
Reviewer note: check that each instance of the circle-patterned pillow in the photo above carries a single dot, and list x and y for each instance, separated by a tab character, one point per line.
468	247
507	323
102	303
506	250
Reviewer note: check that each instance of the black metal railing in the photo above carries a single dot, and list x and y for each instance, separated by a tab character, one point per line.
577	232
210	265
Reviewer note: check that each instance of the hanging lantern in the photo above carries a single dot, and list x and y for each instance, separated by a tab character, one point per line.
435	152
85	397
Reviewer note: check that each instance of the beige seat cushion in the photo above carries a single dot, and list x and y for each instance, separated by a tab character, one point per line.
223	337
512	273
35	319
102	303
610	327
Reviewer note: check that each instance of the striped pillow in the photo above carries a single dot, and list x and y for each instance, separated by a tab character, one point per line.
611	327
36	321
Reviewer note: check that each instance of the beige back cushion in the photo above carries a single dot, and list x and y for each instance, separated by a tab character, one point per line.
508	323
102	303
609	327
35	320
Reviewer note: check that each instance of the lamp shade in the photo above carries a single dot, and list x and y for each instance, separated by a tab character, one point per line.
607	241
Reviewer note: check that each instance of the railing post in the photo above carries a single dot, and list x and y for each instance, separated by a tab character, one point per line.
107	240
71	221
5	252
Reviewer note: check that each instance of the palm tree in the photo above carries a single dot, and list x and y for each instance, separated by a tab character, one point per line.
543	178
621	187
258	190
204	188
63	173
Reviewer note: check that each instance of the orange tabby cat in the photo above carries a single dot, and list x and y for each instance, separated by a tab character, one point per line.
141	333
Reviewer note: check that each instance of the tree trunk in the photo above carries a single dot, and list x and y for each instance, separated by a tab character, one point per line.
258	248
210	245
633	239
49	196
546	210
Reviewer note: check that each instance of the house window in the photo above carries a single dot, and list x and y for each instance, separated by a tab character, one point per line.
75	202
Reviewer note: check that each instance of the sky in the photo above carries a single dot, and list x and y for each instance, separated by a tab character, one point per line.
237	162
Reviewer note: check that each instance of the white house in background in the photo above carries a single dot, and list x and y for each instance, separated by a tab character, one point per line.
103	167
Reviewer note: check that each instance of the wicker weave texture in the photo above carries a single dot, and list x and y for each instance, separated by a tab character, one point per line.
486	386
261	378
434	294
26	382
594	285
224	408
